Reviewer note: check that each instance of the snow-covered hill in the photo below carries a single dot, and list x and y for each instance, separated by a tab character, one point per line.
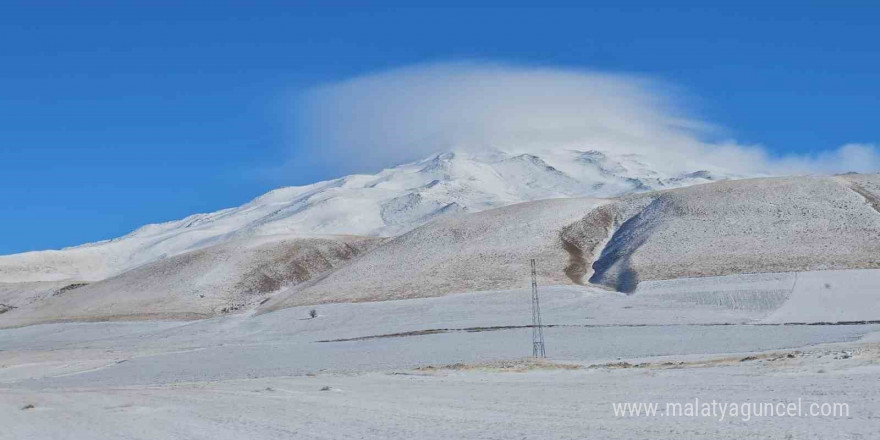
216	280
765	225
745	226
488	250
389	203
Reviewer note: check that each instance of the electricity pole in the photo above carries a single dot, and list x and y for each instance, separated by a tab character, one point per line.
537	325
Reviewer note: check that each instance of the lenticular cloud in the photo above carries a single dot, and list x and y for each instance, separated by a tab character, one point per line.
383	119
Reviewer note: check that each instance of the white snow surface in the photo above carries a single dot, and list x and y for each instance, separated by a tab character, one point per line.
831	296
738	226
219	279
733	227
388	203
270	377
665	318
721	228
488	250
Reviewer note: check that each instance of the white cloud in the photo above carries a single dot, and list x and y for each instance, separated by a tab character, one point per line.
383	119
861	158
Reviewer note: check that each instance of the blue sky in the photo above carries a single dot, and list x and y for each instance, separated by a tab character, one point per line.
117	114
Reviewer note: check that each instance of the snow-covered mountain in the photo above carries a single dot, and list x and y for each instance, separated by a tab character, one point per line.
388	203
764	225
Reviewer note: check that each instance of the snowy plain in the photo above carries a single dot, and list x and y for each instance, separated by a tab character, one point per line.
476	404
452	366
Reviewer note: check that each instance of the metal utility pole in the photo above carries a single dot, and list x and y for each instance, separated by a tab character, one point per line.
537	325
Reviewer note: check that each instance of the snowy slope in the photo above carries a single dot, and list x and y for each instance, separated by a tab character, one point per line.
219	279
732	227
481	251
385	204
744	226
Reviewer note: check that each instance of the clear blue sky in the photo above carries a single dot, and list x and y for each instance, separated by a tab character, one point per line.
115	114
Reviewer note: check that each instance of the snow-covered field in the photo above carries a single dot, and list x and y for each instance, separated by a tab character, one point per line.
448	367
476	404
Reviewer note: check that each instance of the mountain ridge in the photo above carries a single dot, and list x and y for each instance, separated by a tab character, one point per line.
388	203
